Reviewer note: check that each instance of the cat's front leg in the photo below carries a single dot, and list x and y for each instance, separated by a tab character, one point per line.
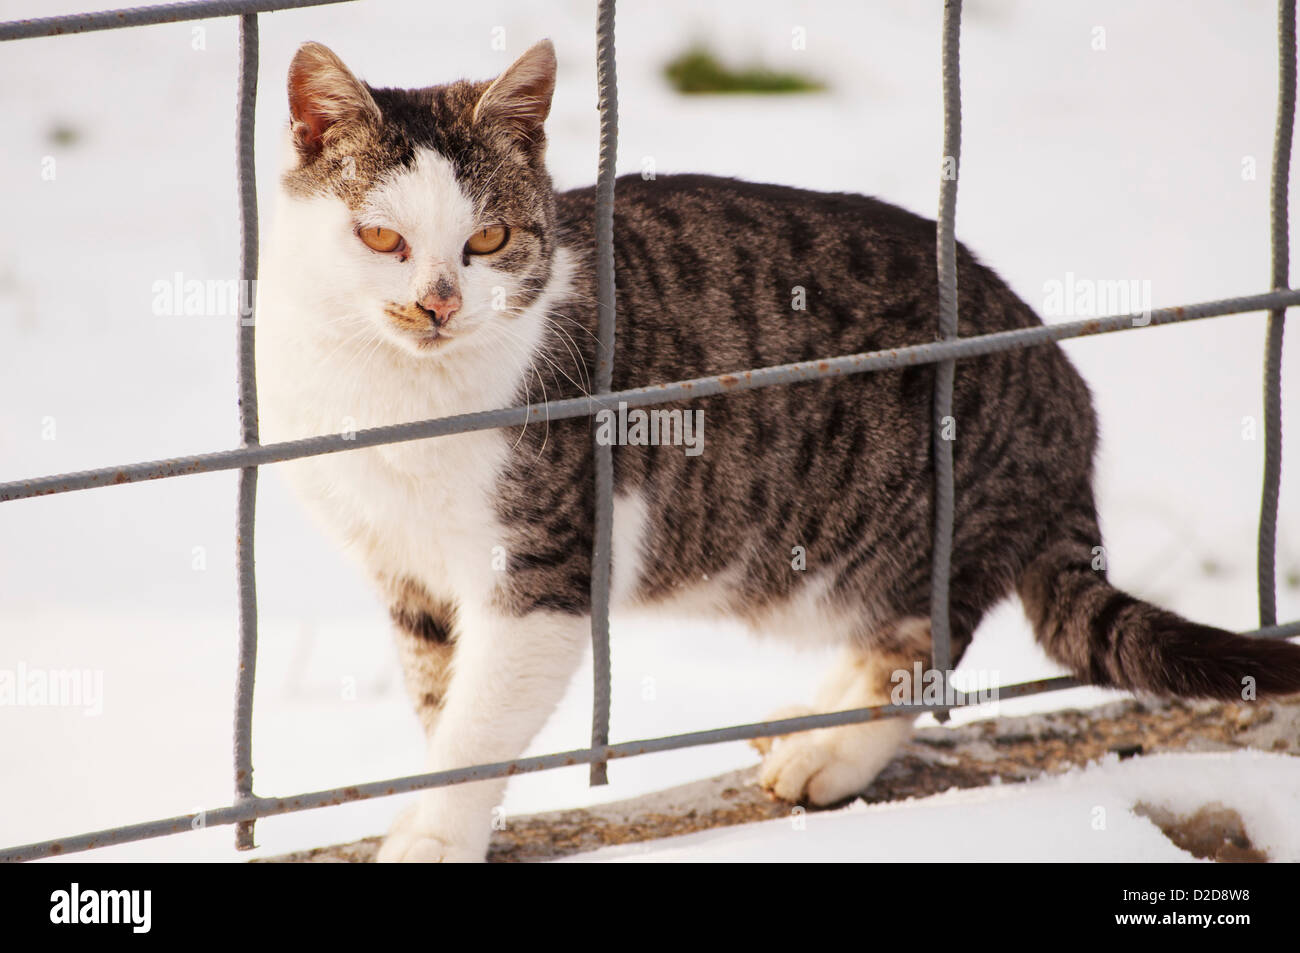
508	675
424	627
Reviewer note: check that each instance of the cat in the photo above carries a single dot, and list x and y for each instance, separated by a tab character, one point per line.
422	265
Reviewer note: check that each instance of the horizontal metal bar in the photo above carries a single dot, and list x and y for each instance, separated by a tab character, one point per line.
146	16
267	807
916	354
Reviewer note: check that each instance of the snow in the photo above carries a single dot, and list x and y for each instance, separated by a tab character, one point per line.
1085	816
1120	164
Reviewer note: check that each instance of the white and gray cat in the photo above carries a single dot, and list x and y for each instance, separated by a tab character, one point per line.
422	266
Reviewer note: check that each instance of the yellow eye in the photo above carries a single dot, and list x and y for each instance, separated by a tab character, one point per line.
380	239
487	240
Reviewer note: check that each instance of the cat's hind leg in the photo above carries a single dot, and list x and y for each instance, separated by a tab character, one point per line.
827	765
425	631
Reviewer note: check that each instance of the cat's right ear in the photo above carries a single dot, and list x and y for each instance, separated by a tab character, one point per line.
324	97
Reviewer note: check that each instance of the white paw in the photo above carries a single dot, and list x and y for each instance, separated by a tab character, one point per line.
406	843
827	765
805	767
408	849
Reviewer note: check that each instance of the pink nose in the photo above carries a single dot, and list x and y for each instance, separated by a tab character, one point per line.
441	308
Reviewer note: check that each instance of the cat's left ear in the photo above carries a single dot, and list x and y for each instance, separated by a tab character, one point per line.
519	100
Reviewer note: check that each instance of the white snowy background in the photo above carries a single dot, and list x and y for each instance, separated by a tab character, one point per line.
1122	163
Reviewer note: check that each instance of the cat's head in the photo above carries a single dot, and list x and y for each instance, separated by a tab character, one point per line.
428	212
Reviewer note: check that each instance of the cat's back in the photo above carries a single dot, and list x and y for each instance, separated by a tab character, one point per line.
729	274
744	210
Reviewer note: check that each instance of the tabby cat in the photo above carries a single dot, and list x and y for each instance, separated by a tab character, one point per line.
423	266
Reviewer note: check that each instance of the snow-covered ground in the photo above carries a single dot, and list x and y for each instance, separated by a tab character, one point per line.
1129	162
1085	816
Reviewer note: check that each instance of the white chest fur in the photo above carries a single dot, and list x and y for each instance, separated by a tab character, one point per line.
421	508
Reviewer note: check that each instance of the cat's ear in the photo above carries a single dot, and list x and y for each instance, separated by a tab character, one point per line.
519	100
323	97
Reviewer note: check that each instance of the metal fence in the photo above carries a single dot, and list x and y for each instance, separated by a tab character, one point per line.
943	352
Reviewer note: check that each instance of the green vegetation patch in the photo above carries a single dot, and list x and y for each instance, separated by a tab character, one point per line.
699	71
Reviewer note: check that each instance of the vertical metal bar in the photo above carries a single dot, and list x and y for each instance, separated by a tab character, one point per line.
943	432
1278	202
247	176
601	545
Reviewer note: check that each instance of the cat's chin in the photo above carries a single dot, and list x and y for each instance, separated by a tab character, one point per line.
431	342
424	344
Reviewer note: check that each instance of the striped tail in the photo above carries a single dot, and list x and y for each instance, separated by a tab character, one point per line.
1110	638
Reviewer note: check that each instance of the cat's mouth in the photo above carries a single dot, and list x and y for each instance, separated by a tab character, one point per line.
413	325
